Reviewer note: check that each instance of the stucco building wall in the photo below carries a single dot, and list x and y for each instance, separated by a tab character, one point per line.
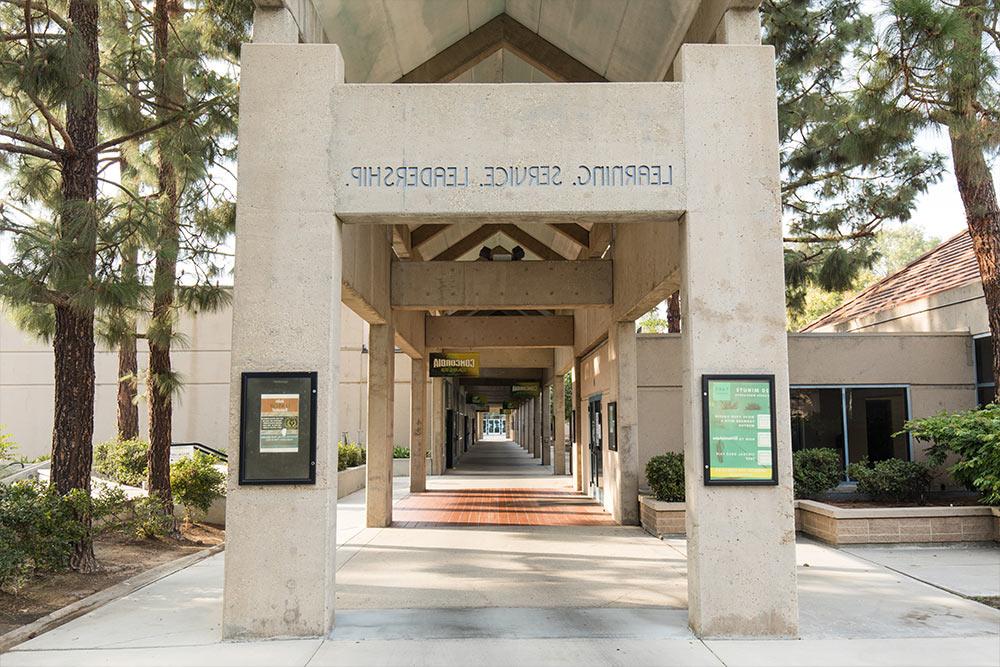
201	408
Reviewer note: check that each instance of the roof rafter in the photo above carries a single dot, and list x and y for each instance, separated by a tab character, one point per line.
530	242
467	243
501	32
573	232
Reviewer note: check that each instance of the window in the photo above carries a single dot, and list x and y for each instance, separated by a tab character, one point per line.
859	422
985	382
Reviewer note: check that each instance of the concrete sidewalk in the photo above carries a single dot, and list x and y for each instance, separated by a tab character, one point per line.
533	596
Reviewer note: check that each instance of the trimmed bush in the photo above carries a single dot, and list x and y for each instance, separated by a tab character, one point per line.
400	452
195	482
975	437
894	480
815	471
38	529
123	461
7	445
665	475
142	517
349	455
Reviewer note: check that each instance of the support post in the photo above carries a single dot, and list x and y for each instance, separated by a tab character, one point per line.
282	538
578	430
626	480
437	426
559	436
381	387
546	420
733	310
536	426
418	421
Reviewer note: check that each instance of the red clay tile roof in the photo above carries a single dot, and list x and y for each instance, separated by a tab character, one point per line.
951	264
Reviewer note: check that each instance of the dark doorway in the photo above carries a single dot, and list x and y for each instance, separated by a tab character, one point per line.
449	439
465	438
878	424
596	448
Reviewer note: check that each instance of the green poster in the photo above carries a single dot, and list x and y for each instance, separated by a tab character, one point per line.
739	436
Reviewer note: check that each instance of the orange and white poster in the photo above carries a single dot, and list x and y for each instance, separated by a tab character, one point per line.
279	423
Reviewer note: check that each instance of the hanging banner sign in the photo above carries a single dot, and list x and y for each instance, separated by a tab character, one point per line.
454	364
740	438
525	390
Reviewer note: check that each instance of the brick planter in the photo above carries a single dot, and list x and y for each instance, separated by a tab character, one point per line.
840	525
661	518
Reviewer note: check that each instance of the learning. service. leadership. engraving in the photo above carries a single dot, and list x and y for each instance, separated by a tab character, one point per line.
492	176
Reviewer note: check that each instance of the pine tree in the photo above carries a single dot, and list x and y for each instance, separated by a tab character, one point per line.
937	62
849	161
76	80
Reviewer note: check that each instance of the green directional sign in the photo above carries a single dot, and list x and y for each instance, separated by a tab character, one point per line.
739	429
526	390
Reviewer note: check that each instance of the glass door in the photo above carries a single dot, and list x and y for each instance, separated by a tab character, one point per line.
596	448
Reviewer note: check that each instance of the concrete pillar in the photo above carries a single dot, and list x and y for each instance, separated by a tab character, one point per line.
626	478
559	434
536	423
418	429
274	25
741	539
280	560
739	26
381	387
546	420
578	442
437	426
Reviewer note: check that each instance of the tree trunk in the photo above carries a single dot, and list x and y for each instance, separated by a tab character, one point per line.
975	183
128	369
674	313
73	342
160	329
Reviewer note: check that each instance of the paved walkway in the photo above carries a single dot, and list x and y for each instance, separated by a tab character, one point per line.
502	506
532	595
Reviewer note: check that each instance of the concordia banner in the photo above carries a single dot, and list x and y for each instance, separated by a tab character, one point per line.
454	364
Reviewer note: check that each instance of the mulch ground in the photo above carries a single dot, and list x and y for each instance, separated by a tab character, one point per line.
119	558
959	501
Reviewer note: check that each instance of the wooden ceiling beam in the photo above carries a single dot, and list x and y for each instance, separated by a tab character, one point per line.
467	243
529	242
573	232
425	233
501	32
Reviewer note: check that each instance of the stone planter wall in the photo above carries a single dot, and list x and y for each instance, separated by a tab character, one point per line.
355	479
661	518
839	525
996	523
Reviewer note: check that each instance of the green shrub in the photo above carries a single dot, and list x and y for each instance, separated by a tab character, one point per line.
349	455
141	517
400	452
975	437
195	482
7	445
123	461
665	474
815	471
894	480
38	529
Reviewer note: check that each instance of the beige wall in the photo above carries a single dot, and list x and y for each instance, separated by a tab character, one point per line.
937	368
200	412
959	309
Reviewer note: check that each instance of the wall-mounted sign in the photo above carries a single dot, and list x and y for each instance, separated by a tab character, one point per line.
278	428
741	444
454	364
476	399
525	390
613	427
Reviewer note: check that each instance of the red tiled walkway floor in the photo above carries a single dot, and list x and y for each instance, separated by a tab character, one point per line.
499	507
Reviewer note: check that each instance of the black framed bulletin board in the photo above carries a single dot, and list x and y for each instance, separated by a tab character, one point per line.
278	428
739	434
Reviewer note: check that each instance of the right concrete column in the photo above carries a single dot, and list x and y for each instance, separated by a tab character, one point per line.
546	420
559	432
741	539
381	390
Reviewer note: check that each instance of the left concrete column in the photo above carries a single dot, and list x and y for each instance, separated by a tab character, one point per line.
381	387
280	540
418	426
536	426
